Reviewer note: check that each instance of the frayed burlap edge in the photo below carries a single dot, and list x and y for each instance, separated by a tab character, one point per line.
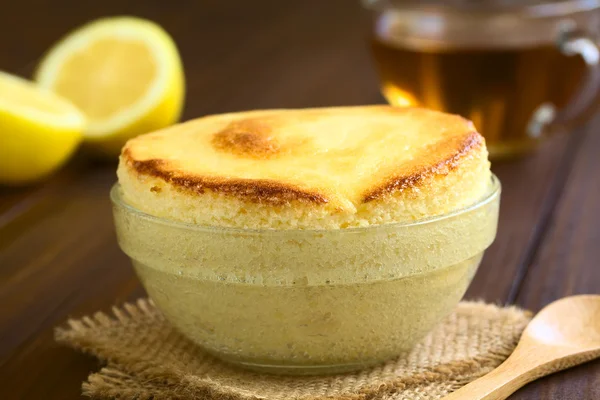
143	380
112	383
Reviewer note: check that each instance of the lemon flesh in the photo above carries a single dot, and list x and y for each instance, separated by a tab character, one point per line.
38	131
124	73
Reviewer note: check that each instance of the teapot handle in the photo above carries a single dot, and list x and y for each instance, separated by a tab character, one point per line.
547	118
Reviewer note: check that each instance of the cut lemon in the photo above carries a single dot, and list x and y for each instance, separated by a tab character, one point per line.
38	130
124	73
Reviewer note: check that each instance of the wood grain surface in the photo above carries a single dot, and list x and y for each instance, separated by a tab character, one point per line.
58	252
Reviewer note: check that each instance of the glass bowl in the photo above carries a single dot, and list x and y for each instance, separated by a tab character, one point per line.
307	301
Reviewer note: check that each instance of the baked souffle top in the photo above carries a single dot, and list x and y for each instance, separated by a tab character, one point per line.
317	168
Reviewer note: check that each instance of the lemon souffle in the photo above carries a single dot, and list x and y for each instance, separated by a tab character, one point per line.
309	240
324	168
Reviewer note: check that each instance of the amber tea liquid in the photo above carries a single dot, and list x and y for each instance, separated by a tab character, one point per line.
497	88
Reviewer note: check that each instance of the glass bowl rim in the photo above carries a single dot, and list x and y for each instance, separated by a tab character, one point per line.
548	8
117	201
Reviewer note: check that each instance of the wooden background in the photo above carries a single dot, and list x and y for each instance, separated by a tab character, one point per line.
58	254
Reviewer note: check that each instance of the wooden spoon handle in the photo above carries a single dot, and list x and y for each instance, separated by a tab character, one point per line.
500	383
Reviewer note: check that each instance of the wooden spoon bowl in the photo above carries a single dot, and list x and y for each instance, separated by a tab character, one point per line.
564	334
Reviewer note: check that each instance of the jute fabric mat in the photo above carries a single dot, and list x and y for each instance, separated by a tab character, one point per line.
146	359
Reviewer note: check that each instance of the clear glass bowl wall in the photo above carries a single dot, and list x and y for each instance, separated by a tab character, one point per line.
307	301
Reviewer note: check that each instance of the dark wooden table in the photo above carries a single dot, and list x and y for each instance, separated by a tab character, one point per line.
58	254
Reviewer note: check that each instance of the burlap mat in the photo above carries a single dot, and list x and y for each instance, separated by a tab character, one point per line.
147	359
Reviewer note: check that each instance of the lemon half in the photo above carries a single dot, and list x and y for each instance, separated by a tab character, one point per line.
38	130
124	73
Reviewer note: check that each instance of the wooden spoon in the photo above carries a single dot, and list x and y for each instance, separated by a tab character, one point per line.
564	334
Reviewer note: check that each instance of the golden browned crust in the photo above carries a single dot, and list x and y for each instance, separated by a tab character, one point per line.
254	136
254	190
247	138
426	168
